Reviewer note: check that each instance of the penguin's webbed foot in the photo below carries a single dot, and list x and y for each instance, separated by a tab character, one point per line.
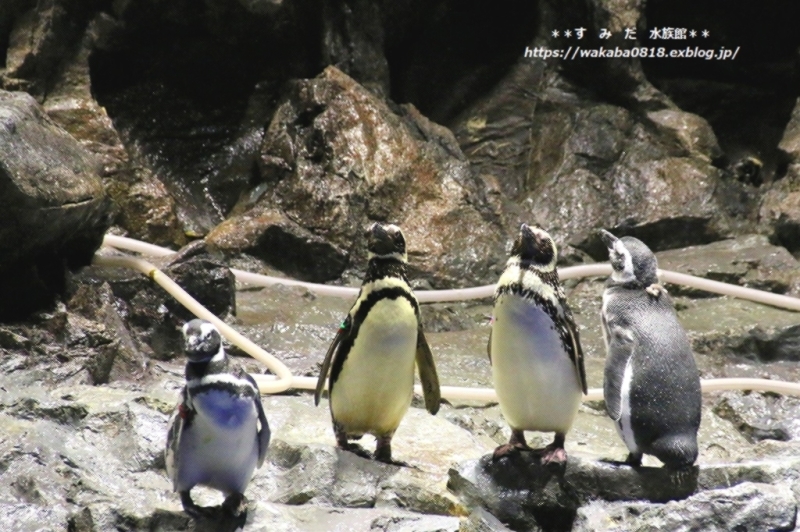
392	461
516	443
553	455
383	452
235	504
634	459
555	452
343	442
506	449
356	449
193	510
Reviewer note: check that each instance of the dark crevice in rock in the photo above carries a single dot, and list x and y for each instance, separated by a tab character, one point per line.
44	35
190	90
9	11
787	234
444	55
662	235
748	100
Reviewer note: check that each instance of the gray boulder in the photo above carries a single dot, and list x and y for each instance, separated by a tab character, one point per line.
336	157
780	208
53	209
748	507
271	236
525	495
748	260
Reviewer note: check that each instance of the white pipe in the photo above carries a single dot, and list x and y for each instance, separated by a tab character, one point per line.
595	394
137	246
255	279
283	378
479	292
759	296
762	385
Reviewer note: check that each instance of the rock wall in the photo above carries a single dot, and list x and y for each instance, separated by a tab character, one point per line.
192	111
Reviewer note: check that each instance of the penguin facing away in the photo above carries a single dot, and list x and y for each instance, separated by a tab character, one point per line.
534	347
218	433
651	385
371	359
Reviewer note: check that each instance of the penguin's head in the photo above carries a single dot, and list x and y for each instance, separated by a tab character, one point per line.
386	242
201	341
631	259
535	246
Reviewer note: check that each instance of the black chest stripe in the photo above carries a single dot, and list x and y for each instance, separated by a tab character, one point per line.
245	389
198	370
372	299
529	295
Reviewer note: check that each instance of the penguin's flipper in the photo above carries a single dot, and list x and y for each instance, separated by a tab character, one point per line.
179	420
427	373
173	444
621	346
344	330
489	347
264	432
574	348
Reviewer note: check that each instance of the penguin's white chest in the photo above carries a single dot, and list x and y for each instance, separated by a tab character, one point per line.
219	448
624	427
374	388
536	382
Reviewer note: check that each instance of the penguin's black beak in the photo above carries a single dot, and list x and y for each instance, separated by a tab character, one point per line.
532	244
607	238
380	242
527	234
525	231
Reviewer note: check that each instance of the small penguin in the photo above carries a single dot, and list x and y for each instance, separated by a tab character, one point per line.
534	347
651	384
218	433
748	170
371	359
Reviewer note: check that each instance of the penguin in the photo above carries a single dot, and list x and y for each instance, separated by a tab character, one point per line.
218	433
371	359
534	347
748	170
651	382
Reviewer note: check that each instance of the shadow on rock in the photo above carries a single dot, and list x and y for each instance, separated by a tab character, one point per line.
216	519
525	494
212	519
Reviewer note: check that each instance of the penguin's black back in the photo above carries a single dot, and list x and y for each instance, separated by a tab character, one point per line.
665	396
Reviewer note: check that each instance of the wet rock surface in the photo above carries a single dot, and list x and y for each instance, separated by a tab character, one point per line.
749	261
560	499
335	157
90	456
271	236
748	506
